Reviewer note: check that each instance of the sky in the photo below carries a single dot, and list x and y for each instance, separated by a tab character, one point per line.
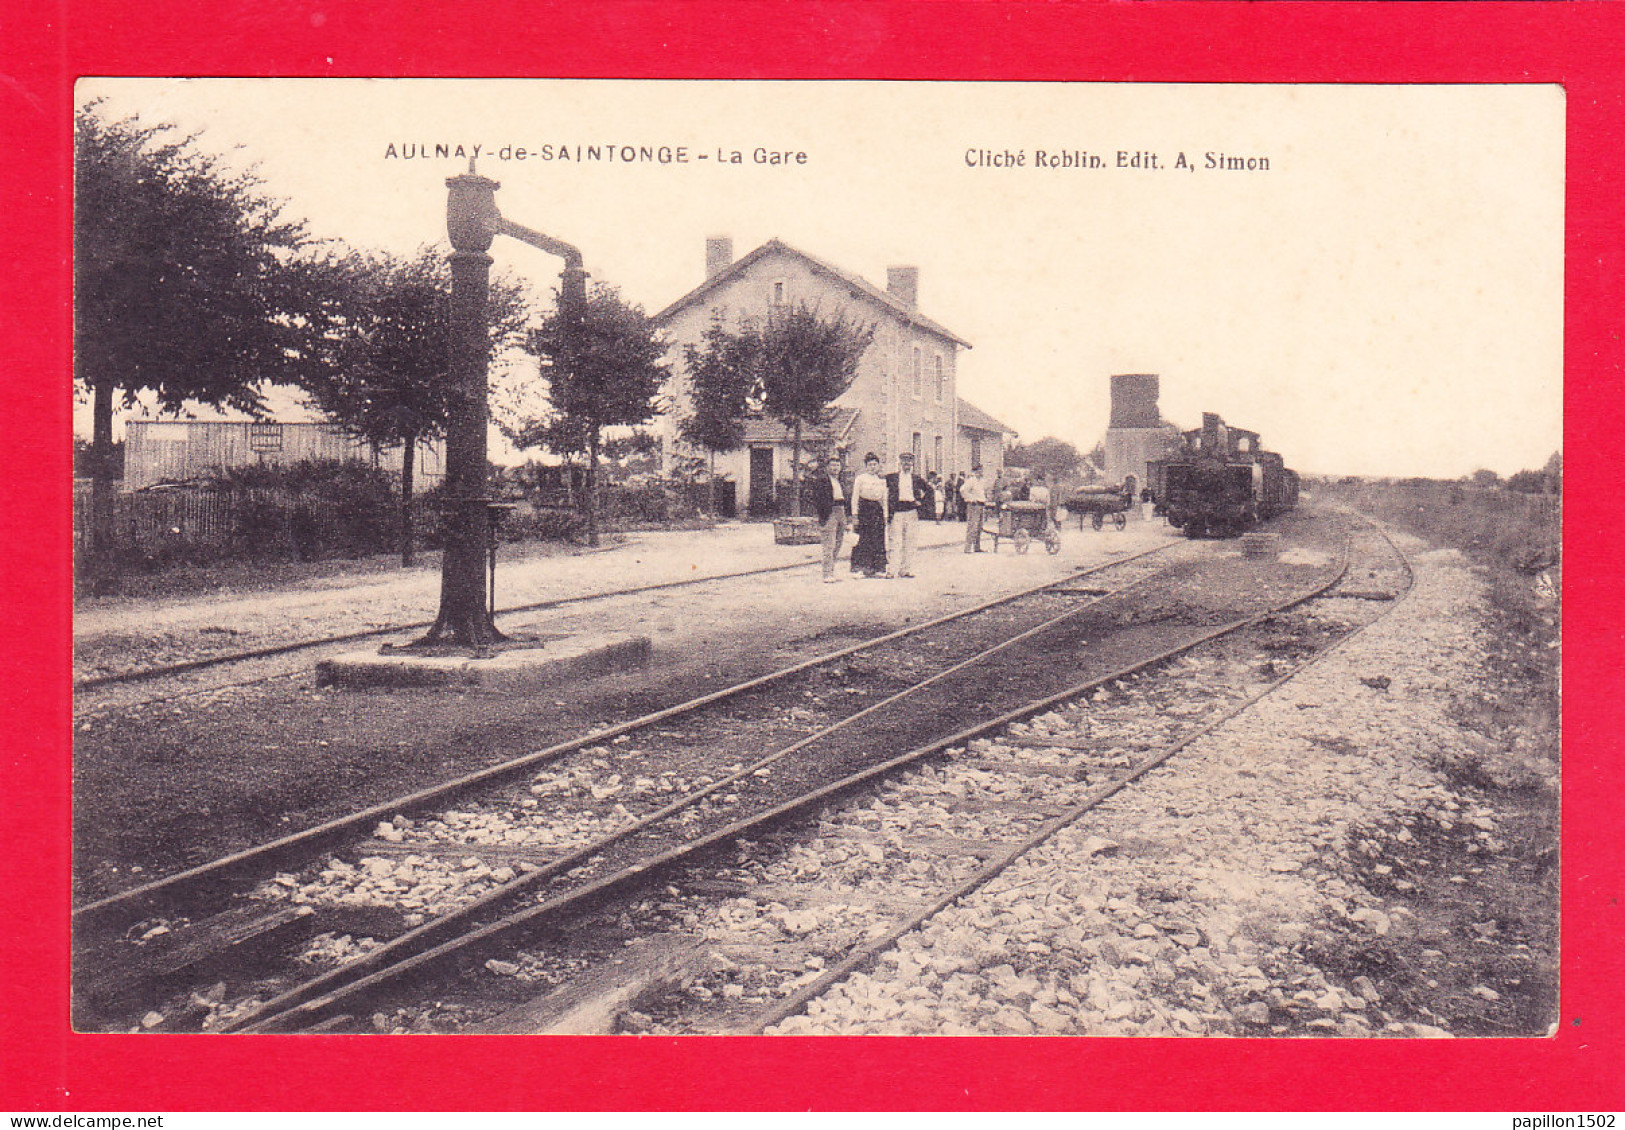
1384	298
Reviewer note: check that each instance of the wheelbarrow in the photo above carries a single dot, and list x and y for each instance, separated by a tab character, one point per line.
1023	523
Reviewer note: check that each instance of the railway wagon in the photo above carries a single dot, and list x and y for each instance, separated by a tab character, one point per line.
1222	483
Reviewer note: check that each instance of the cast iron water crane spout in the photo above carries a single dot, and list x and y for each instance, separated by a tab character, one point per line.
472	220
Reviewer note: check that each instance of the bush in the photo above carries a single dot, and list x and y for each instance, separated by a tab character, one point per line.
648	504
314	510
307	512
543	523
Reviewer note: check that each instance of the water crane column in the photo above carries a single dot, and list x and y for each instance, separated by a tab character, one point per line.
472	220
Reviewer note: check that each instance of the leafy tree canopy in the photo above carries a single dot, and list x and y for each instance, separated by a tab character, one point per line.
791	365
185	286
182	279
804	361
1054	457
387	338
604	370
607	373
722	377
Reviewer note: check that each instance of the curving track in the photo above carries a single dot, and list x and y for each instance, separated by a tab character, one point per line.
178	931
1139	627
1051	789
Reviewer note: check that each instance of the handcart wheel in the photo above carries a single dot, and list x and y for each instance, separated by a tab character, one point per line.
1098	520
1052	542
1121	520
1023	540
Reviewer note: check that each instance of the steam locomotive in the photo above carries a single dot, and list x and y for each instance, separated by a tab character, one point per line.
1220	482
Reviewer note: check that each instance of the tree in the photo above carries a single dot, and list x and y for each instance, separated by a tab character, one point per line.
1056	458
1486	478
606	372
805	361
721	379
790	364
386	347
183	286
83	461
1527	482
1548	480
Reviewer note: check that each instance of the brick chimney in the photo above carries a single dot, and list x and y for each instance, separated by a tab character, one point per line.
903	284
719	255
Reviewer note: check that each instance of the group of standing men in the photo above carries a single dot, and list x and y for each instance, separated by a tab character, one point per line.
885	511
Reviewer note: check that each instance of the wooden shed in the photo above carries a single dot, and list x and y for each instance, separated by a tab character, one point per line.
157	451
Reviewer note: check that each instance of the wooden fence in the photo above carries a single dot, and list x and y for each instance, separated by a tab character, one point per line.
214	522
200	517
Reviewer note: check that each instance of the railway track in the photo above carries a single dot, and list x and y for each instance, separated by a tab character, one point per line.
160	929
523	890
741	945
158	672
1086	737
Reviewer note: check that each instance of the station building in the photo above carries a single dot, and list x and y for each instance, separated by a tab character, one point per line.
904	397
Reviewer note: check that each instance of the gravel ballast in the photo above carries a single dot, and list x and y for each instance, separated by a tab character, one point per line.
1232	891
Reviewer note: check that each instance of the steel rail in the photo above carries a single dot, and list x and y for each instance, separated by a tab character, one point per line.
146	674
298	1003
864	956
308	838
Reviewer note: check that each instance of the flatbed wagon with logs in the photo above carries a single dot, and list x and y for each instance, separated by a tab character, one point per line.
1099	505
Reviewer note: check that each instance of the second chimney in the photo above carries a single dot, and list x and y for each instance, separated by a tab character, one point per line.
719	255
903	284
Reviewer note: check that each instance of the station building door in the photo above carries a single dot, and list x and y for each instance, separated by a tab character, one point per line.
761	481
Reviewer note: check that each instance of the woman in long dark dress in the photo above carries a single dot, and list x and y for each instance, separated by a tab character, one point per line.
869	491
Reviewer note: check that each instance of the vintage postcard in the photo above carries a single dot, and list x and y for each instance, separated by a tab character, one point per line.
680	558
1223	349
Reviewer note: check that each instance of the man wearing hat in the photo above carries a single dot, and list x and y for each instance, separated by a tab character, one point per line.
906	493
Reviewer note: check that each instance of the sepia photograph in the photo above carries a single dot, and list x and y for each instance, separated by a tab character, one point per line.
837	558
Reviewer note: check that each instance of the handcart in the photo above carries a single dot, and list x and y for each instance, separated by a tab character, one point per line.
1021	522
1099	504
